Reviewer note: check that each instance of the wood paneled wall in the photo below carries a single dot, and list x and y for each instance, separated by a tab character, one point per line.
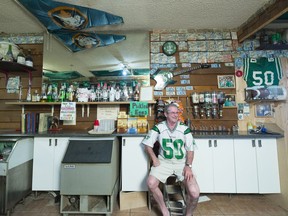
10	115
205	80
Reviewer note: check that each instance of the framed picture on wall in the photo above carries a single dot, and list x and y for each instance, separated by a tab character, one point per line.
226	81
146	93
230	100
263	110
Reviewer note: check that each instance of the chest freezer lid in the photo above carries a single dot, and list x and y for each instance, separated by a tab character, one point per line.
88	151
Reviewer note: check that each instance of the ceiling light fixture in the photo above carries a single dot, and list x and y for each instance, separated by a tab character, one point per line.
125	71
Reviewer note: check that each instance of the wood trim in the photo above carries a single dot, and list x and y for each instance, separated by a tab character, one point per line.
262	18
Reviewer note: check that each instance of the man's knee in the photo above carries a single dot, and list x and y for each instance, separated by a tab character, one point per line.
152	182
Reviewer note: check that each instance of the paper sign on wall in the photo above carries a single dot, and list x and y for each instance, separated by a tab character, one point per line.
68	111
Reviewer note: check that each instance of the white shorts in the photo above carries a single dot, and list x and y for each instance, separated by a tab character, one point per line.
166	169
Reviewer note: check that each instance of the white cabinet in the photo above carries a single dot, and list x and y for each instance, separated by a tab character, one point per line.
256	163
48	155
214	165
134	165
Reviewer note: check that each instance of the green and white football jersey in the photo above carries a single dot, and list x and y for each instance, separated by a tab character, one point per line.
262	71
173	144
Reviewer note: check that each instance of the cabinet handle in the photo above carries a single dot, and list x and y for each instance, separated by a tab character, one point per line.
50	142
210	143
124	141
215	143
56	141
259	143
253	144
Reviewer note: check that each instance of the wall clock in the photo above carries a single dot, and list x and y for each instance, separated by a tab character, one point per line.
169	48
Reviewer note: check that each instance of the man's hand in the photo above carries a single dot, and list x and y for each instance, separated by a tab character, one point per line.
156	162
187	173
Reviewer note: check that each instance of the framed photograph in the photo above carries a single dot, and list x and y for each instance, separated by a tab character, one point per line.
226	81
263	110
146	93
230	100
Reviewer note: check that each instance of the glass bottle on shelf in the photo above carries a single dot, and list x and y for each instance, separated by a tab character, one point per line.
21	57
29	59
112	94
105	92
49	93
34	96
43	92
136	92
98	93
117	93
29	98
9	55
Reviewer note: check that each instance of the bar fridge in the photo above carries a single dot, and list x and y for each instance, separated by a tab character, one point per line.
16	155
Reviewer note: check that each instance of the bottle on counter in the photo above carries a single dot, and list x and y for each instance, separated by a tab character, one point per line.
96	125
29	59
249	126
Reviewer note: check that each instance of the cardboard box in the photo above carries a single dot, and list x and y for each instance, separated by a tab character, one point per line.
130	200
142	125
132	125
122	125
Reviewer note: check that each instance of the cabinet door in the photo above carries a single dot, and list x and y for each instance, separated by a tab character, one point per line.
203	165
42	164
214	165
268	169
223	166
134	169
48	154
245	166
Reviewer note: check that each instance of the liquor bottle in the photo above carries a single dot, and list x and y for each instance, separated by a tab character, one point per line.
105	92
35	96
43	92
49	93
98	93
21	57
117	93
29	59
136	92
29	97
9	55
112	94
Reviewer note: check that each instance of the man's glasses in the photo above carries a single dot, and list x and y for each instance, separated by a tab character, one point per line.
173	113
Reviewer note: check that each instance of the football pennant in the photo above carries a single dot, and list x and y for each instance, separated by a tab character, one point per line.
76	41
56	15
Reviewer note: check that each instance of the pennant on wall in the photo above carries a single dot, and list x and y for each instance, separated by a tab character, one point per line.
76	41
56	15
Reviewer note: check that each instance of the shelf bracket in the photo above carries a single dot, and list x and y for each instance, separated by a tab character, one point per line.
83	110
23	109
52	110
88	110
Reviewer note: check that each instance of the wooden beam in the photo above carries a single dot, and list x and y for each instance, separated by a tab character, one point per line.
262	18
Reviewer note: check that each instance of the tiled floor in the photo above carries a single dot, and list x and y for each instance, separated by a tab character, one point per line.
219	205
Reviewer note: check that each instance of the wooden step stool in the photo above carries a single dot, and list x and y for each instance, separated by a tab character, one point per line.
174	196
